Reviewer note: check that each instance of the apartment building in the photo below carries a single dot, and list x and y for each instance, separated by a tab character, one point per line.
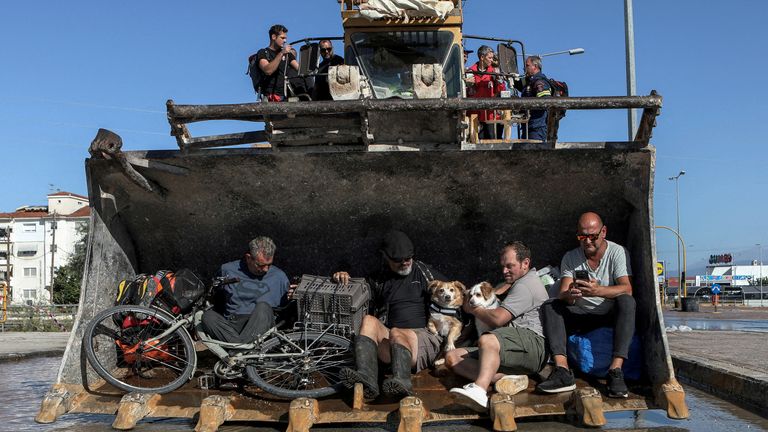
36	239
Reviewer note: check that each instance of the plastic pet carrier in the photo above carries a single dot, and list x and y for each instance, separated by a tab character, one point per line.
322	301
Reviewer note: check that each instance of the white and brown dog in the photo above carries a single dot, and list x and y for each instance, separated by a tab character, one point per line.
482	295
447	299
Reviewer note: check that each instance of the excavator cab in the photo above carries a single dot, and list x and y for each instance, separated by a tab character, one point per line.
388	60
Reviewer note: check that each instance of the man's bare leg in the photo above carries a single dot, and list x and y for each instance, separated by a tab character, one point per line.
489	361
367	348
561	360
374	329
404	346
459	362
406	338
617	362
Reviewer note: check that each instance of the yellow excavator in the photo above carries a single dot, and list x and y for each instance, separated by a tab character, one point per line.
397	147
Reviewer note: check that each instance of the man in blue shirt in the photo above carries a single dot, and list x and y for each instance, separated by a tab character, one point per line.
243	309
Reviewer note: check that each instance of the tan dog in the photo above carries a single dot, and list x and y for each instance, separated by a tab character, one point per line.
447	299
482	295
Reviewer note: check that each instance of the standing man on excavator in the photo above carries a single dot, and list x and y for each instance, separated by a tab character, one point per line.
273	62
534	84
322	90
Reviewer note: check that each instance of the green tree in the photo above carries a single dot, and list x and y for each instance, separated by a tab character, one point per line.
67	278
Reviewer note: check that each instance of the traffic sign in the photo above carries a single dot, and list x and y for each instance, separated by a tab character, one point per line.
715	289
659	268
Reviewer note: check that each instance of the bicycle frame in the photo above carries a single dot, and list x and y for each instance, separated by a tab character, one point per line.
219	347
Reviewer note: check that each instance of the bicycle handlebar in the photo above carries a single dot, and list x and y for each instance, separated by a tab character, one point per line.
224	280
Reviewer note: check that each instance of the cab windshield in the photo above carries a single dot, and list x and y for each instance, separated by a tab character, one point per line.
387	59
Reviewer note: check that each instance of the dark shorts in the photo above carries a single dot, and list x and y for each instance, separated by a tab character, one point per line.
430	346
522	351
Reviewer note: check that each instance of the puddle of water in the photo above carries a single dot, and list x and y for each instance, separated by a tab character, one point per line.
24	384
719	325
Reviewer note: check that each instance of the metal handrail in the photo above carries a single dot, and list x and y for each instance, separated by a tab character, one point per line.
195	113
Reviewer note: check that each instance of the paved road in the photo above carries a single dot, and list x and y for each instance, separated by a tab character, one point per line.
728	349
18	345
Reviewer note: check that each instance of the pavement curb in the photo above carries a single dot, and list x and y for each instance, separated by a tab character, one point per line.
10	357
744	387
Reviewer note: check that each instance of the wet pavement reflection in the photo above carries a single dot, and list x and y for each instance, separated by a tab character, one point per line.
717	324
24	383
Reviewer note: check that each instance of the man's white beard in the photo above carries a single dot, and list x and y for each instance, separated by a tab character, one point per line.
406	271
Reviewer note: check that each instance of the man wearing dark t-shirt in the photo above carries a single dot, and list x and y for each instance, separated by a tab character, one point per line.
274	62
322	90
395	329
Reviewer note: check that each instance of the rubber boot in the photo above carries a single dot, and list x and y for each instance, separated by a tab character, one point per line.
367	362
399	385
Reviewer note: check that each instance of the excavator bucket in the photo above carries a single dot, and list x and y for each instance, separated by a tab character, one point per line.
328	209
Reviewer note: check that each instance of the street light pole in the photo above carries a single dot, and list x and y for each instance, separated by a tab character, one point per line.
681	283
685	260
573	51
629	39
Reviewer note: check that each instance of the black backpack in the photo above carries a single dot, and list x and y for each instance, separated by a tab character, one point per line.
130	291
254	71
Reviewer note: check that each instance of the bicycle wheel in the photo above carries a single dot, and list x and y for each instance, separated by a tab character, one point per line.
304	364
115	346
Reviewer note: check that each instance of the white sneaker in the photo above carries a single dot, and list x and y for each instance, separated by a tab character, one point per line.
471	396
512	384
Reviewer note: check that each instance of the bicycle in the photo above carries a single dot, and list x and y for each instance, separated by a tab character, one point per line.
149	350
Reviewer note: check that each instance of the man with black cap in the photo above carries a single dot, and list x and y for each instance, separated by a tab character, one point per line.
395	330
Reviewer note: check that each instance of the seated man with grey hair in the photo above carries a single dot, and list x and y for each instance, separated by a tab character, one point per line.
243	310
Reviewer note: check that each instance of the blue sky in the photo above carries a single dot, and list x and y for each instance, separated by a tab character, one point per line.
69	68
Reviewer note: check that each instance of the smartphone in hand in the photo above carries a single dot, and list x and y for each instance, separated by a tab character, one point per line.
582	275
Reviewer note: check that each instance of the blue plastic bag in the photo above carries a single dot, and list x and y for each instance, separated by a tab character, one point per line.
592	353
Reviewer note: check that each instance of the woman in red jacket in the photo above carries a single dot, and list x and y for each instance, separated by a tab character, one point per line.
486	86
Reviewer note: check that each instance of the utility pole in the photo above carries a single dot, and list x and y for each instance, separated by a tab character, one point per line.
8	260
760	246
53	252
629	39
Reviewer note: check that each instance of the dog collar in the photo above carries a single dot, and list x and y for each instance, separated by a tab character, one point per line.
434	307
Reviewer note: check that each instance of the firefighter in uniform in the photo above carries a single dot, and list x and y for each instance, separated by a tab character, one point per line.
534	84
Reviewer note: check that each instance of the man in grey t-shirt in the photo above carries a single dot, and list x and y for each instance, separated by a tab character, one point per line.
595	291
516	345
